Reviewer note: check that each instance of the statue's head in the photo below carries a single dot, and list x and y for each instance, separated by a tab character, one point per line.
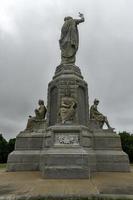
96	101
67	18
41	102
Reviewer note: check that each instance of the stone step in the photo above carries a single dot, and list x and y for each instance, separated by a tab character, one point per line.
67	163
66	172
65	160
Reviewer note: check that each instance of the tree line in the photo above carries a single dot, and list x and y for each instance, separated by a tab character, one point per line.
8	147
127	144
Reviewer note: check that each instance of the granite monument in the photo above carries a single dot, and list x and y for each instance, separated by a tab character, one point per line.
70	142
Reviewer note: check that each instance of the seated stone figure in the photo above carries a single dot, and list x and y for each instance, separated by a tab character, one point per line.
39	116
67	109
97	116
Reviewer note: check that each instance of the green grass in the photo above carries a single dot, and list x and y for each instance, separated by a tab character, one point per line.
3	165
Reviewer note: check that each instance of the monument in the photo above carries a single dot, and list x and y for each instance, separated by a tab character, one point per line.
70	142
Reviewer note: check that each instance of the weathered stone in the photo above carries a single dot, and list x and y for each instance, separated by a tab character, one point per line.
23	160
69	40
68	144
99	118
68	75
35	123
66	163
109	154
67	158
67	109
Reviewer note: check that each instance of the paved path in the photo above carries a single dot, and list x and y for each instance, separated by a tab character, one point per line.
31	184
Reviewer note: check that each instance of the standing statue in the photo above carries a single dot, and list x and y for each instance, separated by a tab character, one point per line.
39	115
69	40
97	116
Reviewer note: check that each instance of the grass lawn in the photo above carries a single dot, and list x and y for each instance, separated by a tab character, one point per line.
2	165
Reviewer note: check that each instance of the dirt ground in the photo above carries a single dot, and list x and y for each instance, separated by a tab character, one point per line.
31	183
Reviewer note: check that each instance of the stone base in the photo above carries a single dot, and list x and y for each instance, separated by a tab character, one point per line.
65	135
29	141
26	156
26	160
68	151
70	154
66	163
112	161
35	125
109	154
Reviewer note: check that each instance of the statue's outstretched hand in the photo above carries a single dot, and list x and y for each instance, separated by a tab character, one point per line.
81	15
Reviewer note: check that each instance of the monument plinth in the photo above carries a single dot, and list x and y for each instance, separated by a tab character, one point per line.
68	81
71	142
70	155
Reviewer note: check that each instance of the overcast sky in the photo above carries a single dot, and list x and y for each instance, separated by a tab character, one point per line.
29	54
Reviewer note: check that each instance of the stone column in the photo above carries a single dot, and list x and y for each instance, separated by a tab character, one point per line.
68	75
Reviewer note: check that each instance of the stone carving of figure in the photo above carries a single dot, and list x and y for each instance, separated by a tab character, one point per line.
97	116
67	109
69	40
39	115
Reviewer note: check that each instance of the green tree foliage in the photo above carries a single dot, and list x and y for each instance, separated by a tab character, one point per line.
6	148
127	144
11	145
3	149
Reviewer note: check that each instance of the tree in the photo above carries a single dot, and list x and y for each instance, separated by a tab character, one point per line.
3	149
11	145
6	148
127	144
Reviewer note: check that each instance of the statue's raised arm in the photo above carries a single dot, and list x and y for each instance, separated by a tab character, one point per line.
69	40
82	19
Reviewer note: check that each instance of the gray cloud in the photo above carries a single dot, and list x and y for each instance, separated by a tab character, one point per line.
29	54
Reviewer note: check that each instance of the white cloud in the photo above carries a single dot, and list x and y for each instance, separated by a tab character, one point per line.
104	56
7	18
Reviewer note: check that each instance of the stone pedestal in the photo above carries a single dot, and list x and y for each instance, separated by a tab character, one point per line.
68	76
71	154
23	160
26	156
109	154
65	163
74	149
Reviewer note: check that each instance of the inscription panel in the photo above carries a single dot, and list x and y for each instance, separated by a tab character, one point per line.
66	138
